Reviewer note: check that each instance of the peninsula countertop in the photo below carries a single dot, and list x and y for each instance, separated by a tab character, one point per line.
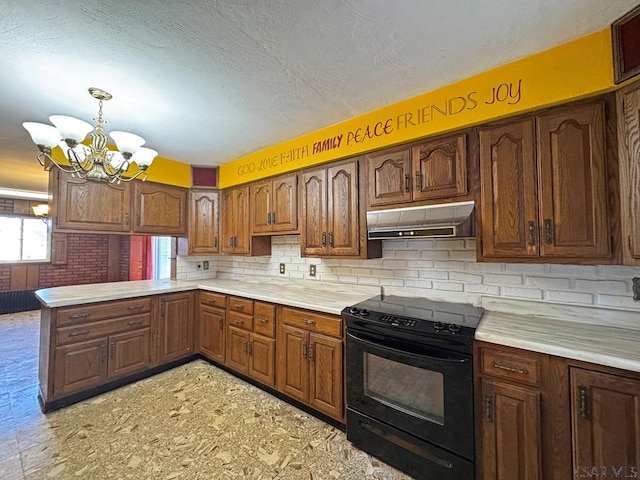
309	294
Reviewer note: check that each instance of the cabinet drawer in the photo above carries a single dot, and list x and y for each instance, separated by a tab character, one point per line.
264	319
80	333
314	322
242	305
522	368
213	299
240	320
100	311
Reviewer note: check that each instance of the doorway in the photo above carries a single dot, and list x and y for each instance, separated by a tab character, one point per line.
149	258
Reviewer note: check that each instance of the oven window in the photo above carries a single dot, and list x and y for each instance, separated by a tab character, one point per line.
413	390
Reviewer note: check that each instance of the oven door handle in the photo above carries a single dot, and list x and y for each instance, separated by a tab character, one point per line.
439	358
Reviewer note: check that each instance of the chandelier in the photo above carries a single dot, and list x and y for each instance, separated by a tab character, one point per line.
94	162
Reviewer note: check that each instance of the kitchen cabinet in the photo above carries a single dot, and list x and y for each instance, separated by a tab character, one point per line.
159	209
203	226
210	340
175	326
436	169
235	231
310	360
546	417
605	421
251	341
90	345
628	108
544	187
126	208
274	205
332	214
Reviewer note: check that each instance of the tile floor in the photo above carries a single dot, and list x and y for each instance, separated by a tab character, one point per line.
192	422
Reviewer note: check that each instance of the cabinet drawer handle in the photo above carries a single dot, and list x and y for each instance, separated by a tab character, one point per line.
407	182
239	322
308	322
135	307
212	302
263	320
79	315
134	322
77	333
509	368
532	233
548	231
239	306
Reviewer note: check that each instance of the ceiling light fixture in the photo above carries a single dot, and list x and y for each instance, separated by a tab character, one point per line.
94	162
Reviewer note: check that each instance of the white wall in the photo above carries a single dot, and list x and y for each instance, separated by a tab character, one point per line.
438	269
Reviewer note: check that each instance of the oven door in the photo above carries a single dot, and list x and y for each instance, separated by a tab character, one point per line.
422	390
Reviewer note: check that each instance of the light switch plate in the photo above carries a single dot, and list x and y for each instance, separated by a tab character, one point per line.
282	268
312	270
205	265
636	289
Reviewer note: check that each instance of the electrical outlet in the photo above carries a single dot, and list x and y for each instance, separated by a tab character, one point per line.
282	268
636	289
199	266
205	265
312	270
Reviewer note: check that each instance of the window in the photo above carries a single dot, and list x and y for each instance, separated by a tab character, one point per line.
23	239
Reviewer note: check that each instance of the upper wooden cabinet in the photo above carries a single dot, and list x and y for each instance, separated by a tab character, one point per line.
274	205
628	103
431	170
203	228
235	233
544	187
332	220
136	207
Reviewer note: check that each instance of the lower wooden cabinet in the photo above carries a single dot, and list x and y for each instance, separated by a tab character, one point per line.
128	353
551	418
80	366
210	336
310	364
175	326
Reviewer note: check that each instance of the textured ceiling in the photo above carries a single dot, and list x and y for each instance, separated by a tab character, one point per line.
205	82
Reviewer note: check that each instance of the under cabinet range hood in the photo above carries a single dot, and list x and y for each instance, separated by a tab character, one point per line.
442	220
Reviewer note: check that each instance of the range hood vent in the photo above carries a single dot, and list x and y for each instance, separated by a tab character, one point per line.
441	221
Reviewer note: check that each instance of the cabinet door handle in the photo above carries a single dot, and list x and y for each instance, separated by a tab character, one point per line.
548	231
324	239
79	315
331	239
304	349
583	402
268	218
134	322
77	333
263	320
221	324
407	182
138	219
418	180
235	241
162	308
231	242
532	233
510	368
215	242
488	408
308	322
135	307
273	218
250	348
126	218
104	354
246	348
113	350
311	349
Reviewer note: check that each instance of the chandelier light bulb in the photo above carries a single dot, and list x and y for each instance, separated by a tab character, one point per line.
42	134
71	128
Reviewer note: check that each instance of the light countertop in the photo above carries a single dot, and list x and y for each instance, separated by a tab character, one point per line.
313	295
602	336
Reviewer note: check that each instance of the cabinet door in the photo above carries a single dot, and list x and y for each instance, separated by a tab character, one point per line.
228	220
572	186
261	207
343	232
389	178
176	326
211	335
203	231
605	417
160	209
80	366
262	359
313	234
241	212
129	353
511	444
293	367
284	212
238	349
84	205
440	168
508	190
325	379
629	146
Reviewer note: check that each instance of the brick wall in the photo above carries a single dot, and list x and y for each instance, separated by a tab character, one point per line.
86	262
5	278
447	270
6	205
125	249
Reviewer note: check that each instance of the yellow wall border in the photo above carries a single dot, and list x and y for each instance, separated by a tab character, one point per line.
580	68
